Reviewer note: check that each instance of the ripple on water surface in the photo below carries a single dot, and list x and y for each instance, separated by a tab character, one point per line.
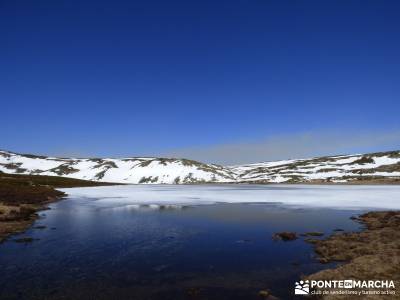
127	251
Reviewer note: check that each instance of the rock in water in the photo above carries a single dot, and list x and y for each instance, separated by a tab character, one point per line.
285	236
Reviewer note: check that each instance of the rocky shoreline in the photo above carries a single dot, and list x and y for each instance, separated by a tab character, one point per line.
22	196
371	254
17	218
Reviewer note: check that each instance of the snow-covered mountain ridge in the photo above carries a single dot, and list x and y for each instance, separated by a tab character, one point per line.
372	167
122	170
344	168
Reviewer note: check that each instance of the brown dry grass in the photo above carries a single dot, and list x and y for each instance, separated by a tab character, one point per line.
373	254
16	218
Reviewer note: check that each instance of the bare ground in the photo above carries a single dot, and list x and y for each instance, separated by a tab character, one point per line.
373	254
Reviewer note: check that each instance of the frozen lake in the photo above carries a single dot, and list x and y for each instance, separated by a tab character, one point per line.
328	196
158	242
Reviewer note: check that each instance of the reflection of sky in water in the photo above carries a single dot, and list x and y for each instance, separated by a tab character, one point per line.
116	251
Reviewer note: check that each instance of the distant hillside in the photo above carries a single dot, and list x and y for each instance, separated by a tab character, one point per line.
123	170
359	168
381	167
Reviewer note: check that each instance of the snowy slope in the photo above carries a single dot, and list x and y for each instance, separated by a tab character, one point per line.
344	168
123	170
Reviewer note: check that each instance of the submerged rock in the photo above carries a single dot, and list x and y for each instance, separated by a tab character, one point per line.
24	240
193	291
313	233
264	294
311	241
285	236
40	227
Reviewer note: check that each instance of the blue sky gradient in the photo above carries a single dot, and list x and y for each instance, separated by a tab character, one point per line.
126	78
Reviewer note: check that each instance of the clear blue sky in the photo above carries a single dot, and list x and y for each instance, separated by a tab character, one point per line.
112	78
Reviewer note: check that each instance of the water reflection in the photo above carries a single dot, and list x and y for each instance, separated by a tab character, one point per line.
222	251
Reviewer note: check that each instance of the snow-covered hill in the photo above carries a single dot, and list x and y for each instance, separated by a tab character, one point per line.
344	168
372	167
123	170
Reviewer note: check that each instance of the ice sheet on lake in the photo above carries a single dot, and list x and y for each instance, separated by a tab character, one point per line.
341	197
